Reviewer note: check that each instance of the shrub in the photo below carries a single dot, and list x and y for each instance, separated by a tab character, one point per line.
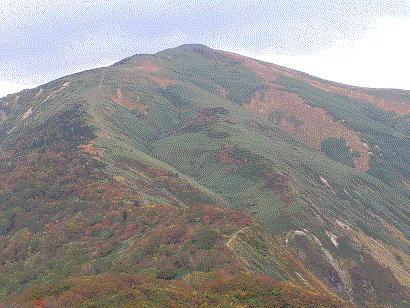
336	149
167	273
205	239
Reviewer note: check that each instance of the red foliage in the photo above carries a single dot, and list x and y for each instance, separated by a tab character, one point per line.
286	199
38	304
209	218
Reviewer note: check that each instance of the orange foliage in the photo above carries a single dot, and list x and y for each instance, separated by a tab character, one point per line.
316	126
164	82
225	157
91	148
149	66
120	99
271	72
260	69
399	108
242	290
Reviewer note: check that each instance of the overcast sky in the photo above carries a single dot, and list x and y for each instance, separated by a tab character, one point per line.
358	42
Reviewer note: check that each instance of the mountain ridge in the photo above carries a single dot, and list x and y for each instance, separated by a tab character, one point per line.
406	91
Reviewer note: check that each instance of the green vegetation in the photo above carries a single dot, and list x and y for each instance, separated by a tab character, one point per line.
385	134
218	290
336	149
148	181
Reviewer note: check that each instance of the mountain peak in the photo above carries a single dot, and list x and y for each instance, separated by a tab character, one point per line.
182	49
186	48
192	46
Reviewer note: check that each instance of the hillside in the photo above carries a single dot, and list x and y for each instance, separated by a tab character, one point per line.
199	173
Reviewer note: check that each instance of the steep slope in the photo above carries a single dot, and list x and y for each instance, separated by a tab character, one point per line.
201	165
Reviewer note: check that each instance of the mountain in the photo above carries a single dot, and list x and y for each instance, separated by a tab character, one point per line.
201	177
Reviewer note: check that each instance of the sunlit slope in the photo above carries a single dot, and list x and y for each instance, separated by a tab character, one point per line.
194	161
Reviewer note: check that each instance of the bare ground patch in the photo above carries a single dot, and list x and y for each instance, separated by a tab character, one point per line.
125	101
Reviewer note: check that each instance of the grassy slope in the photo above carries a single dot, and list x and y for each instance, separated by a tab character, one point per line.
152	144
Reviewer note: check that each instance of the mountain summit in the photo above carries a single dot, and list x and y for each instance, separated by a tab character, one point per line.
201	177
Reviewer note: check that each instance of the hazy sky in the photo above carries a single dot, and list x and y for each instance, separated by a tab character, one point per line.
359	42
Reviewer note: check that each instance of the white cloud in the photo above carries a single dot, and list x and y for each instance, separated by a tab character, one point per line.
379	59
43	39
10	87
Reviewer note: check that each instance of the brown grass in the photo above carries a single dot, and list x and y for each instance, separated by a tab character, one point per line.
272	72
123	100
383	256
26	114
164	82
222	91
381	253
149	66
91	148
317	125
400	108
65	85
258	68
39	92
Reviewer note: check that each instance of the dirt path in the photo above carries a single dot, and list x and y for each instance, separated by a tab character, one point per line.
234	236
